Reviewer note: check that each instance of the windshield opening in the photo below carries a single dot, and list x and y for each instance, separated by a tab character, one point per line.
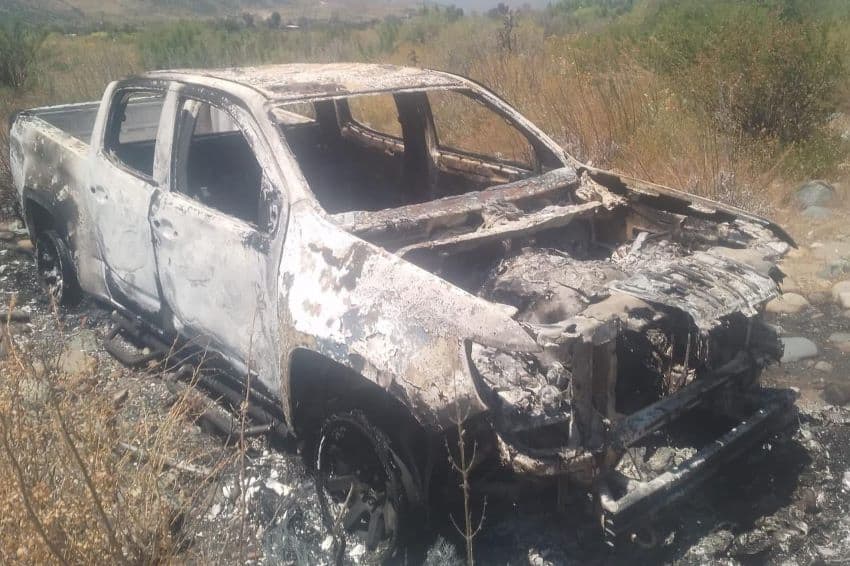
386	150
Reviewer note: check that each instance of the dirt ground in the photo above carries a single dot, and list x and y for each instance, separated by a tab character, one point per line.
788	502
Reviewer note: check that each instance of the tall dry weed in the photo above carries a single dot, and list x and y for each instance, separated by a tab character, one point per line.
71	490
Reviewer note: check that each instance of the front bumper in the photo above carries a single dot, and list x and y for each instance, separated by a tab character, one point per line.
625	502
773	410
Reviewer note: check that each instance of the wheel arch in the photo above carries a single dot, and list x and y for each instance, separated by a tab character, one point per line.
318	384
319	387
39	214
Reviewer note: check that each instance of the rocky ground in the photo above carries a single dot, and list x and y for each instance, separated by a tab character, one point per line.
786	503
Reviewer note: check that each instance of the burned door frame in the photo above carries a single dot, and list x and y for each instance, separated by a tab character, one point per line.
219	280
121	212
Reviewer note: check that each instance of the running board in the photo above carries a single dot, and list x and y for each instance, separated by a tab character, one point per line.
131	344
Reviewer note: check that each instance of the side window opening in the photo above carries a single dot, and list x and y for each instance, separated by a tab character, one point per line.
131	134
215	164
349	150
377	112
465	125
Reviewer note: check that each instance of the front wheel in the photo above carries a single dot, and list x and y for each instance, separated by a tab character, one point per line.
56	269
359	485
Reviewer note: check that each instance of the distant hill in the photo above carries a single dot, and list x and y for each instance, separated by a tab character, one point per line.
134	10
484	5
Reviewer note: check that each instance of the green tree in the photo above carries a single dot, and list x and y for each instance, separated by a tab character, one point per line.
274	20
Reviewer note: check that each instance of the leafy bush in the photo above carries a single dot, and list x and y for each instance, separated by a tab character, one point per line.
751	67
19	50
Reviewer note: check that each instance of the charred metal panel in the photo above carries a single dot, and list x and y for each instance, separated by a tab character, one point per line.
397	324
50	167
706	286
297	81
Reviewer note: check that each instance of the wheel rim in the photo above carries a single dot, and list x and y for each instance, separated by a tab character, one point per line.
355	485
50	269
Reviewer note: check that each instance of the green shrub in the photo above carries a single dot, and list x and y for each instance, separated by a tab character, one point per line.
19	51
751	67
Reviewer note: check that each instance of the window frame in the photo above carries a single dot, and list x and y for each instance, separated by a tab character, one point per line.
112	133
536	165
244	120
347	120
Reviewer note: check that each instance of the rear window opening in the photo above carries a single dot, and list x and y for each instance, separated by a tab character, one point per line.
381	151
131	133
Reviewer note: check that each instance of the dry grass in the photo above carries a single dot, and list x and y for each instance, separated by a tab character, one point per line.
70	493
625	119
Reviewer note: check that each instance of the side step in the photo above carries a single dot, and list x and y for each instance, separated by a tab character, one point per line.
223	422
131	344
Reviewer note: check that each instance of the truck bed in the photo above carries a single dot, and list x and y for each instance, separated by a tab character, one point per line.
77	120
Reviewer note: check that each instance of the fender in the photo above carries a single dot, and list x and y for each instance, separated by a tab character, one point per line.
390	321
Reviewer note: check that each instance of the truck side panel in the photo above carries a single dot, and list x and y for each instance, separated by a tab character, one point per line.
50	169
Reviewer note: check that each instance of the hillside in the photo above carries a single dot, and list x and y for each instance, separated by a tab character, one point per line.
65	11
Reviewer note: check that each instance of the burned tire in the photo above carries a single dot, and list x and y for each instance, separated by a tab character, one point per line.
56	269
359	485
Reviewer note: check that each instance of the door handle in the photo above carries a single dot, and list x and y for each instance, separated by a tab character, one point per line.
99	193
165	228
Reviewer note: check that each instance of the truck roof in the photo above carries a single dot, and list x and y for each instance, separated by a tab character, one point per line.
307	80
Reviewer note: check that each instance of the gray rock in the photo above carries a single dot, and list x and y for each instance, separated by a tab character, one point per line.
798	348
845	481
840	340
825	367
840	289
837	393
818	298
76	357
814	193
788	303
85	340
817	212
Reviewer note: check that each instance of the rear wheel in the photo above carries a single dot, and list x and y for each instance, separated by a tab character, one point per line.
359	484
56	268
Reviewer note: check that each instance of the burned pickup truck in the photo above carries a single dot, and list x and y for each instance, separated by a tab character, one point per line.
388	252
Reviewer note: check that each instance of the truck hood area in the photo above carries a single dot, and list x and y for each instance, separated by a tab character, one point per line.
557	244
632	292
